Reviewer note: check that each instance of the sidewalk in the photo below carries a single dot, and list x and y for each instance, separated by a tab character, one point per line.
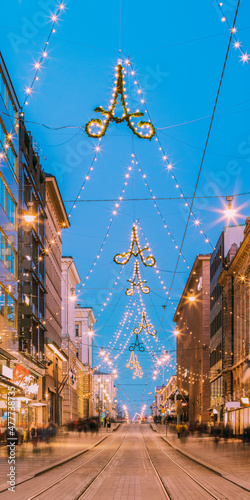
229	459
30	463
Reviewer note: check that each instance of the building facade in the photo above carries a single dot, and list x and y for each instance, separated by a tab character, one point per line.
84	321
192	319
235	279
104	394
56	219
230	235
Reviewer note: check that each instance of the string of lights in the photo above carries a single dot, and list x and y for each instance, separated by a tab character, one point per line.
170	234
44	55
244	57
111	220
165	159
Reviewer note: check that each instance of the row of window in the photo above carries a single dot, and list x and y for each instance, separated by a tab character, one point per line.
7	202
7	306
216	324
7	100
216	263
9	151
7	254
216	293
215	355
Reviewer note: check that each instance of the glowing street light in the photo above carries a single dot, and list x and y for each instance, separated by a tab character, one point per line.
230	212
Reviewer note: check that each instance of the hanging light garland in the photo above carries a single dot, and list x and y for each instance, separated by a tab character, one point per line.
100	126
139	283
144	325
168	164
136	251
44	55
134	365
159	211
114	213
244	57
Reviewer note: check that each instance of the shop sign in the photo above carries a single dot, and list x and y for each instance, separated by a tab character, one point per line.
5	371
232	404
23	378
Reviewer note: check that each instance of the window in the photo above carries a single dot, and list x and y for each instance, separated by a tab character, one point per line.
2	193
11	309
7	306
7	254
77	330
11	209
12	159
2	86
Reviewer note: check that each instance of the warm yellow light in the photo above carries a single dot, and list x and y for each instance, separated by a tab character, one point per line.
191	298
29	217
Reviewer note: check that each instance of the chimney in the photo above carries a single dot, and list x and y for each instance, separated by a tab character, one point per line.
246	230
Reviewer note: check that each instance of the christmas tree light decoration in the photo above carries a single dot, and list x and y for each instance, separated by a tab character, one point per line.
100	126
138	344
140	283
123	258
144	325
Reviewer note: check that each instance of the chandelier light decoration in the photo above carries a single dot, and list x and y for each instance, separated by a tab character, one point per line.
144	325
135	250
138	283
97	127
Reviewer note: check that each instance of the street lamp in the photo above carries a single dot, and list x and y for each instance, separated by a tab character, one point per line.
230	212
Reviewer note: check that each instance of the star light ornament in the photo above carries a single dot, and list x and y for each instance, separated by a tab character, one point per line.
97	127
138	283
135	250
144	325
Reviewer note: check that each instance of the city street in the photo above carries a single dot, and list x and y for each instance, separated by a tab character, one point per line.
136	463
125	250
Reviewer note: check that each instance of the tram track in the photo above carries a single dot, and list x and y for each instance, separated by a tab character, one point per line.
76	469
217	496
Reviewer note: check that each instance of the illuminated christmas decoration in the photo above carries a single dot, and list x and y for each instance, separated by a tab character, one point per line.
132	361
140	283
144	325
137	344
109	115
123	258
134	365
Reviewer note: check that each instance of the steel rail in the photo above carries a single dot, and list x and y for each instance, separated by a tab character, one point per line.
74	470
187	473
88	486
163	486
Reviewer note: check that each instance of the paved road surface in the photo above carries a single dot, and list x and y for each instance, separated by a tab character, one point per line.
130	464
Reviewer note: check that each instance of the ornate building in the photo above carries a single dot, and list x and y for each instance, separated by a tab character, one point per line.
235	279
192	320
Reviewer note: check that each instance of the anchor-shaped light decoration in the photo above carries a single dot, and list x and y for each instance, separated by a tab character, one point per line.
138	283
123	258
138	344
144	325
134	365
138	372
109	116
133	361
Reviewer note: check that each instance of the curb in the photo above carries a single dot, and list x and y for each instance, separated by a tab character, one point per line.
239	482
54	465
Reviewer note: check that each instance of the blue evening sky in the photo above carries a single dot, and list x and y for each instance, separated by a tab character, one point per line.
177	50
